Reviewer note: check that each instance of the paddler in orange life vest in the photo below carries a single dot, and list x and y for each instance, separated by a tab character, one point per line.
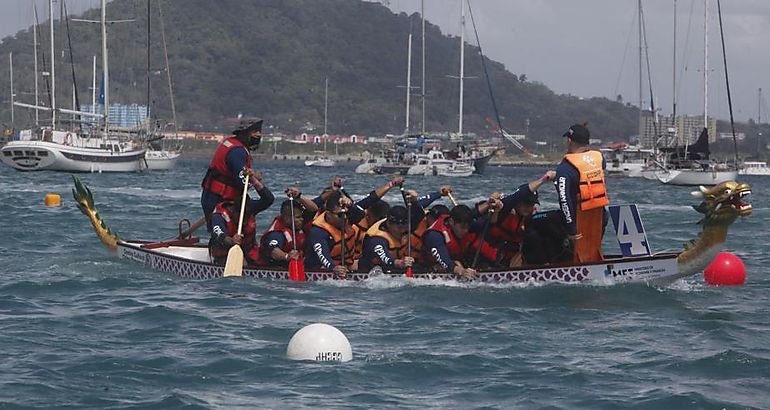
326	240
384	245
224	224
222	181
512	211
442	243
582	194
278	243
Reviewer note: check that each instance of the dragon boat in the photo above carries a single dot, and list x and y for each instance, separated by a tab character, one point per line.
721	205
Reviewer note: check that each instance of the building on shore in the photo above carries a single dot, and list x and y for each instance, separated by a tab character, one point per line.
683	130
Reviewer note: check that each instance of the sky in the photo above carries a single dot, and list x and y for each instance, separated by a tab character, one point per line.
589	48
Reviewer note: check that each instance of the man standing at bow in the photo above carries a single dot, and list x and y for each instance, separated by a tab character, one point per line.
232	157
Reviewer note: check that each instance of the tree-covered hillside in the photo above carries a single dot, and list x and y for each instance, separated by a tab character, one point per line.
270	58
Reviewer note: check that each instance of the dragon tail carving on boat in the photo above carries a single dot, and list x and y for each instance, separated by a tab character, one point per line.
85	201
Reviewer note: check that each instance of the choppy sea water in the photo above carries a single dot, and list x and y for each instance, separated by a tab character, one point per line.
80	328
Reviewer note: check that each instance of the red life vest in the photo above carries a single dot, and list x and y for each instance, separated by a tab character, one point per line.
450	240
278	226
249	243
395	246
219	179
351	233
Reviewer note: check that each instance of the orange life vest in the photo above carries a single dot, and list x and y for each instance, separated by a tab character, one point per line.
351	233
395	246
593	191
417	240
592	199
249	230
363	226
219	179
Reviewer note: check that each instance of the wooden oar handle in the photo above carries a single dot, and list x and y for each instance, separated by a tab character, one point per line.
243	205
452	199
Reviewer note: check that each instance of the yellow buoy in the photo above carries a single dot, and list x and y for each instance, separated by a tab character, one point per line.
52	200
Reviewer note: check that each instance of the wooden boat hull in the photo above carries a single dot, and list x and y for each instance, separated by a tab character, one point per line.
190	261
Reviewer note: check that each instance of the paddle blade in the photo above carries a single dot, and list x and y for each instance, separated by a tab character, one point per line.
234	265
296	270
409	273
301	271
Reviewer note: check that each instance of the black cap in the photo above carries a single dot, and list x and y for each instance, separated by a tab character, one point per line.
398	215
248	124
578	133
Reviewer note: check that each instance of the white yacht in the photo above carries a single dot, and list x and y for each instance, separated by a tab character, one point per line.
434	163
628	161
55	150
754	168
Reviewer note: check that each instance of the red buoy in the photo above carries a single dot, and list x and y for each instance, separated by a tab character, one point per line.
725	270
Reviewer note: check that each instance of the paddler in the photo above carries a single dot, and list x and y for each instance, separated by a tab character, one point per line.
582	194
383	243
224	224
442	249
278	243
327	241
508	223
232	157
422	217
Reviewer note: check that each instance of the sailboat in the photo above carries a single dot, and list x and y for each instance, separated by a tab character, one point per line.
162	153
323	160
692	165
55	149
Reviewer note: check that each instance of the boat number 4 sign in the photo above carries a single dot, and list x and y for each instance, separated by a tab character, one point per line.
629	230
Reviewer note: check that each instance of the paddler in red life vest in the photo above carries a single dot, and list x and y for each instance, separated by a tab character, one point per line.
278	243
582	194
422	217
509	220
383	243
222	181
442	249
224	225
326	243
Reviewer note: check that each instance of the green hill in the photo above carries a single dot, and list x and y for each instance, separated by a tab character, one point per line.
270	58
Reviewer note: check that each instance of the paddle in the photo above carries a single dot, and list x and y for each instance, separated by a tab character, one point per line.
296	266
234	264
344	239
409	273
452	199
481	239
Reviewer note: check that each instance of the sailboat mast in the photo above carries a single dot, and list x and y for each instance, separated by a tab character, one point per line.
105	68
408	82
53	66
641	90
422	88
149	21
673	87
462	65
705	63
34	41
93	88
10	61
326	111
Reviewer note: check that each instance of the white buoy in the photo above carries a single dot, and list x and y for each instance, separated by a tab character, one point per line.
319	342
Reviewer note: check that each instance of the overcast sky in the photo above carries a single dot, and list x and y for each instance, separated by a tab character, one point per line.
590	47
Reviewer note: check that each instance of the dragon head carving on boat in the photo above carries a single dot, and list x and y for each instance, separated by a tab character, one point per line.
85	201
721	206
